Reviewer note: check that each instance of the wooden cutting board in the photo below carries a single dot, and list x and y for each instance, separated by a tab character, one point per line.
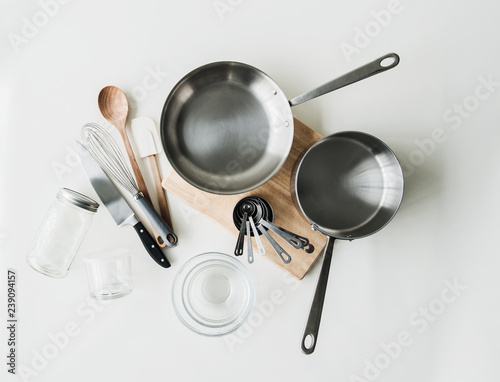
277	192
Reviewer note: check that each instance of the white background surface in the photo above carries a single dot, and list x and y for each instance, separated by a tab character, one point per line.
446	229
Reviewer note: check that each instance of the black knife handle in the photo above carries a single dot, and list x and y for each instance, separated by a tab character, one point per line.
153	249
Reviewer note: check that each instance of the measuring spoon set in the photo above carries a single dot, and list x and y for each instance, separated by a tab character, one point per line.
252	217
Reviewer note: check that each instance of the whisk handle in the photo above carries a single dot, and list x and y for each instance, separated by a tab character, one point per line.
157	222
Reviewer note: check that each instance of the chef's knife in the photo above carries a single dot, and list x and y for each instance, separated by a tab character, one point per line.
116	204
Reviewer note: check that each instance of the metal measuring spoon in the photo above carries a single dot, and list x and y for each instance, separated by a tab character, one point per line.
238	251
295	240
283	255
249	243
260	246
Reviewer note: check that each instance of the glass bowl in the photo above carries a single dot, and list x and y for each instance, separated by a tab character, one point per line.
213	294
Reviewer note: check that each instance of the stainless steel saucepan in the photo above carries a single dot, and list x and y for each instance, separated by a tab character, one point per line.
227	127
348	185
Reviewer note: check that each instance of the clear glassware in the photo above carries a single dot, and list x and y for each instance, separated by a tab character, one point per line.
61	233
213	294
109	273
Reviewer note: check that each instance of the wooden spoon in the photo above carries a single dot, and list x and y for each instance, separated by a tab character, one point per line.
114	107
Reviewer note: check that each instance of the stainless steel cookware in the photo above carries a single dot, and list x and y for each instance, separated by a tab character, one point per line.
348	185
227	127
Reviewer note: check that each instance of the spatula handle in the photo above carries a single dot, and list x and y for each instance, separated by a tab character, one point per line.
141	184
160	193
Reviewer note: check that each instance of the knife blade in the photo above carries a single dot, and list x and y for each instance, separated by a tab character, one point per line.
116	205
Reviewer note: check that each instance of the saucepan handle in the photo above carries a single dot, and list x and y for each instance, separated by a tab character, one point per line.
310	336
380	65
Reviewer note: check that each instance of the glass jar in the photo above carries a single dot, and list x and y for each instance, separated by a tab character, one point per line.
58	239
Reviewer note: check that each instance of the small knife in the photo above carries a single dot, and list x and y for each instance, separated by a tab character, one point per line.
116	205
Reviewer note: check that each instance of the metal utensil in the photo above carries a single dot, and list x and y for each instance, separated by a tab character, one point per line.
293	240
107	154
227	127
283	255
238	251
260	246
143	131
249	243
253	209
349	185
118	208
287	235
256	212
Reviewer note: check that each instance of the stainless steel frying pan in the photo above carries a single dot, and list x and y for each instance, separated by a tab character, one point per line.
349	185
227	127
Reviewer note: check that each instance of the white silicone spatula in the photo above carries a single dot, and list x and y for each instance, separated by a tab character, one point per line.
146	138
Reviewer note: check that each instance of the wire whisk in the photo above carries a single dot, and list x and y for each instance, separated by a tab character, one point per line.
106	152
108	155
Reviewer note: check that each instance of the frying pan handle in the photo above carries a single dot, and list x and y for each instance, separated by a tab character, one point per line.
365	71
310	336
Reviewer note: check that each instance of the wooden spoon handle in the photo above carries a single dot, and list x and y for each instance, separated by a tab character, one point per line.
141	184
160	193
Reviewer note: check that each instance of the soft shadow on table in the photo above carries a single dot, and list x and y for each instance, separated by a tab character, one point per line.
422	180
400	275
